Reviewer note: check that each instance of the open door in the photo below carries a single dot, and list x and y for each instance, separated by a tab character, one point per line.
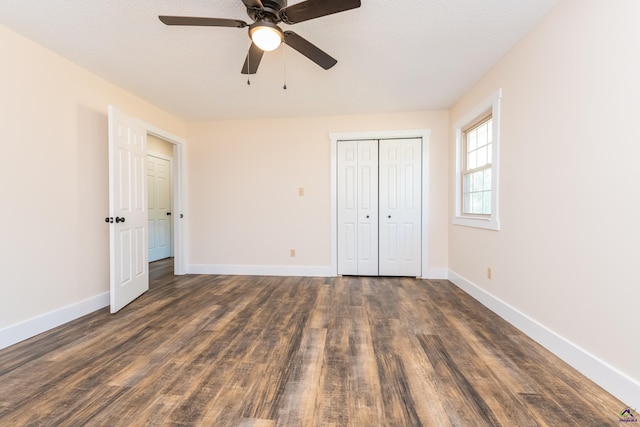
129	267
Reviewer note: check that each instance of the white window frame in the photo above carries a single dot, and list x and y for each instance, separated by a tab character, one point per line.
490	106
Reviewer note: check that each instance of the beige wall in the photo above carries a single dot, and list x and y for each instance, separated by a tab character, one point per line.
567	254
244	176
54	174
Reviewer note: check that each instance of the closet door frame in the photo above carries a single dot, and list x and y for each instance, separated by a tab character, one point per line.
399	134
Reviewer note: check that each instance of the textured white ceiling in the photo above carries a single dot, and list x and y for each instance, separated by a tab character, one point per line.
403	55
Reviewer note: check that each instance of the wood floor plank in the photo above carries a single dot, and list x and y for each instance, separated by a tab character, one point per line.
253	422
336	359
498	385
463	400
201	350
398	404
365	397
301	397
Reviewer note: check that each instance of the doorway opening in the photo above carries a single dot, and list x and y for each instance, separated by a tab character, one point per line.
159	196
167	149
159	207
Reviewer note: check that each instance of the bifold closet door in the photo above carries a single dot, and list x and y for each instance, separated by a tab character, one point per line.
357	163
400	200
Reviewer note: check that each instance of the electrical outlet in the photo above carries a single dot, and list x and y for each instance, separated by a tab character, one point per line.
489	273
301	191
292	253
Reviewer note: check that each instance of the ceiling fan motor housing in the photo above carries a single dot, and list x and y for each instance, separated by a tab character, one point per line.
271	8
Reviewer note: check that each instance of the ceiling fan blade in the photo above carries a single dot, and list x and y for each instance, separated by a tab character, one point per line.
311	9
309	50
253	4
202	22
253	59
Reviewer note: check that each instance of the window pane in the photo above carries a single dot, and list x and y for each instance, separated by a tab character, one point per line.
481	156
487	179
482	135
487	202
477	202
471	160
477	184
466	202
471	141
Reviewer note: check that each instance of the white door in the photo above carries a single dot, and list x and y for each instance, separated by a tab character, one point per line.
400	207
159	203
358	208
128	209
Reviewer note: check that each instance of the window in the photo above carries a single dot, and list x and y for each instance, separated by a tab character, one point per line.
476	175
476	189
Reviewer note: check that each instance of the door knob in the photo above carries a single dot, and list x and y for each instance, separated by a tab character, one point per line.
367	216
168	213
109	219
118	219
389	216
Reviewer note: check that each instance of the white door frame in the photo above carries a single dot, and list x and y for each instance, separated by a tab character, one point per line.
393	134
179	199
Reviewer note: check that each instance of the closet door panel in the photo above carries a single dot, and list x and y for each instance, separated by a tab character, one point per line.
389	244
411	211
400	212
367	208
358	208
347	208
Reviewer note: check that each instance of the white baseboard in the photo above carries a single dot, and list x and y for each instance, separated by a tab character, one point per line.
29	328
606	376
259	270
436	274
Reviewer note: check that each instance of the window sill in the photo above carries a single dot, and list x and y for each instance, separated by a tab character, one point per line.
485	223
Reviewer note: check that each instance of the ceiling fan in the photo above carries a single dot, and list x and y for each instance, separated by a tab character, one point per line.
265	33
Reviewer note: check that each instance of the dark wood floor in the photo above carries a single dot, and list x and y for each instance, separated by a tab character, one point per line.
282	351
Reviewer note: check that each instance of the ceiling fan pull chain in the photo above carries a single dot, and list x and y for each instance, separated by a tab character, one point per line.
249	67
284	68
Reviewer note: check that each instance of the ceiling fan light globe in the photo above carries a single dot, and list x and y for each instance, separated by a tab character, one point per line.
266	38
